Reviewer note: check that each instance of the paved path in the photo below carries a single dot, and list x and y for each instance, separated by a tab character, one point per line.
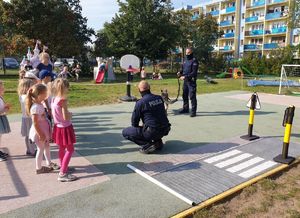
20	186
126	194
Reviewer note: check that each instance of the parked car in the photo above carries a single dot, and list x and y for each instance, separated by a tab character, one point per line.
11	63
58	63
62	61
71	61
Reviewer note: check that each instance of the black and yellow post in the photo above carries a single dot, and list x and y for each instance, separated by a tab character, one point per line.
287	123
250	136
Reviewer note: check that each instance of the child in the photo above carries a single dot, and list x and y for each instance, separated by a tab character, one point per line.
65	73
76	71
63	132
22	74
4	125
46	77
40	129
45	62
143	74
24	86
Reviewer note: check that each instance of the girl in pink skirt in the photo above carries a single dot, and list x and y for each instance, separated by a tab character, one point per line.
63	132
39	132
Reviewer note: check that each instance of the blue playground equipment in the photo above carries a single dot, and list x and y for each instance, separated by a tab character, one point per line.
290	83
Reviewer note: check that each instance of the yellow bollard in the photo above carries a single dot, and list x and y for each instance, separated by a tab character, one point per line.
250	136
287	123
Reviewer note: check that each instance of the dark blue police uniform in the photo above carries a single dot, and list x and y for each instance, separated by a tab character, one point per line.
190	71
150	109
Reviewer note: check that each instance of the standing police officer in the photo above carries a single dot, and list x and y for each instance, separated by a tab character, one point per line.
151	110
189	75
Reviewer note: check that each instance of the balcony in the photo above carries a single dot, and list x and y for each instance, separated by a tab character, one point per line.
230	9
226	23
276	1
227	48
228	35
254	33
214	13
271	46
258	3
251	19
195	17
278	30
274	15
252	47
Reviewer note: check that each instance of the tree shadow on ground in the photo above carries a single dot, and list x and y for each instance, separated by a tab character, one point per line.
82	114
178	146
226	113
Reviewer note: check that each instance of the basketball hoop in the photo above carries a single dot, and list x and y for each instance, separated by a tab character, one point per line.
131	64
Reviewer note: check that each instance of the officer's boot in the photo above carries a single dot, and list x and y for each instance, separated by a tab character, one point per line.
148	148
193	114
185	109
159	145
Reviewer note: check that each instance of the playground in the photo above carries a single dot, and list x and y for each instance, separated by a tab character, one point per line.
108	188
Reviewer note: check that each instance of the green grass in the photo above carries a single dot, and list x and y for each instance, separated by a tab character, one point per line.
10	72
86	92
268	184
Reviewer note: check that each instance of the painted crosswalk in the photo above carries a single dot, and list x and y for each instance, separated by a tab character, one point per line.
243	164
222	156
233	160
257	169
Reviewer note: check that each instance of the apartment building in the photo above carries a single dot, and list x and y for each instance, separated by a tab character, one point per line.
249	25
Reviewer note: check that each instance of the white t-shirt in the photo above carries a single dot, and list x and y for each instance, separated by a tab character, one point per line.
2	107
22	99
39	110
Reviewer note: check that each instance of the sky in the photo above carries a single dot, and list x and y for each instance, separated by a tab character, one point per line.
100	11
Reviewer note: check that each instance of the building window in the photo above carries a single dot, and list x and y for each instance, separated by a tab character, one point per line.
242	42
243	16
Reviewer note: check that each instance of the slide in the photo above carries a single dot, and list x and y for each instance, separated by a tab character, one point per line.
223	75
100	76
246	71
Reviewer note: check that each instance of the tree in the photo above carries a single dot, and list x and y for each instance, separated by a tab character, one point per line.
101	45
183	21
295	14
143	28
204	35
58	23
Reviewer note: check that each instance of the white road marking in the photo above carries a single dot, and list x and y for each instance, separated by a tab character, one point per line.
257	169
245	164
222	156
233	160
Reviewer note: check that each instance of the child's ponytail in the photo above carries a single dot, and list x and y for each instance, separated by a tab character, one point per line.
29	101
32	95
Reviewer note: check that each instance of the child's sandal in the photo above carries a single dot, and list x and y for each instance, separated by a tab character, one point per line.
44	170
54	166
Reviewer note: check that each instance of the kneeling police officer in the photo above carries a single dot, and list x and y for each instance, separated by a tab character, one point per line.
150	109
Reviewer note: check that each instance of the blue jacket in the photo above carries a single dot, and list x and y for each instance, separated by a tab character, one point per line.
190	69
151	110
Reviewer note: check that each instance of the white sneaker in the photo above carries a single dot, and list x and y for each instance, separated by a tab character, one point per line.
67	177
